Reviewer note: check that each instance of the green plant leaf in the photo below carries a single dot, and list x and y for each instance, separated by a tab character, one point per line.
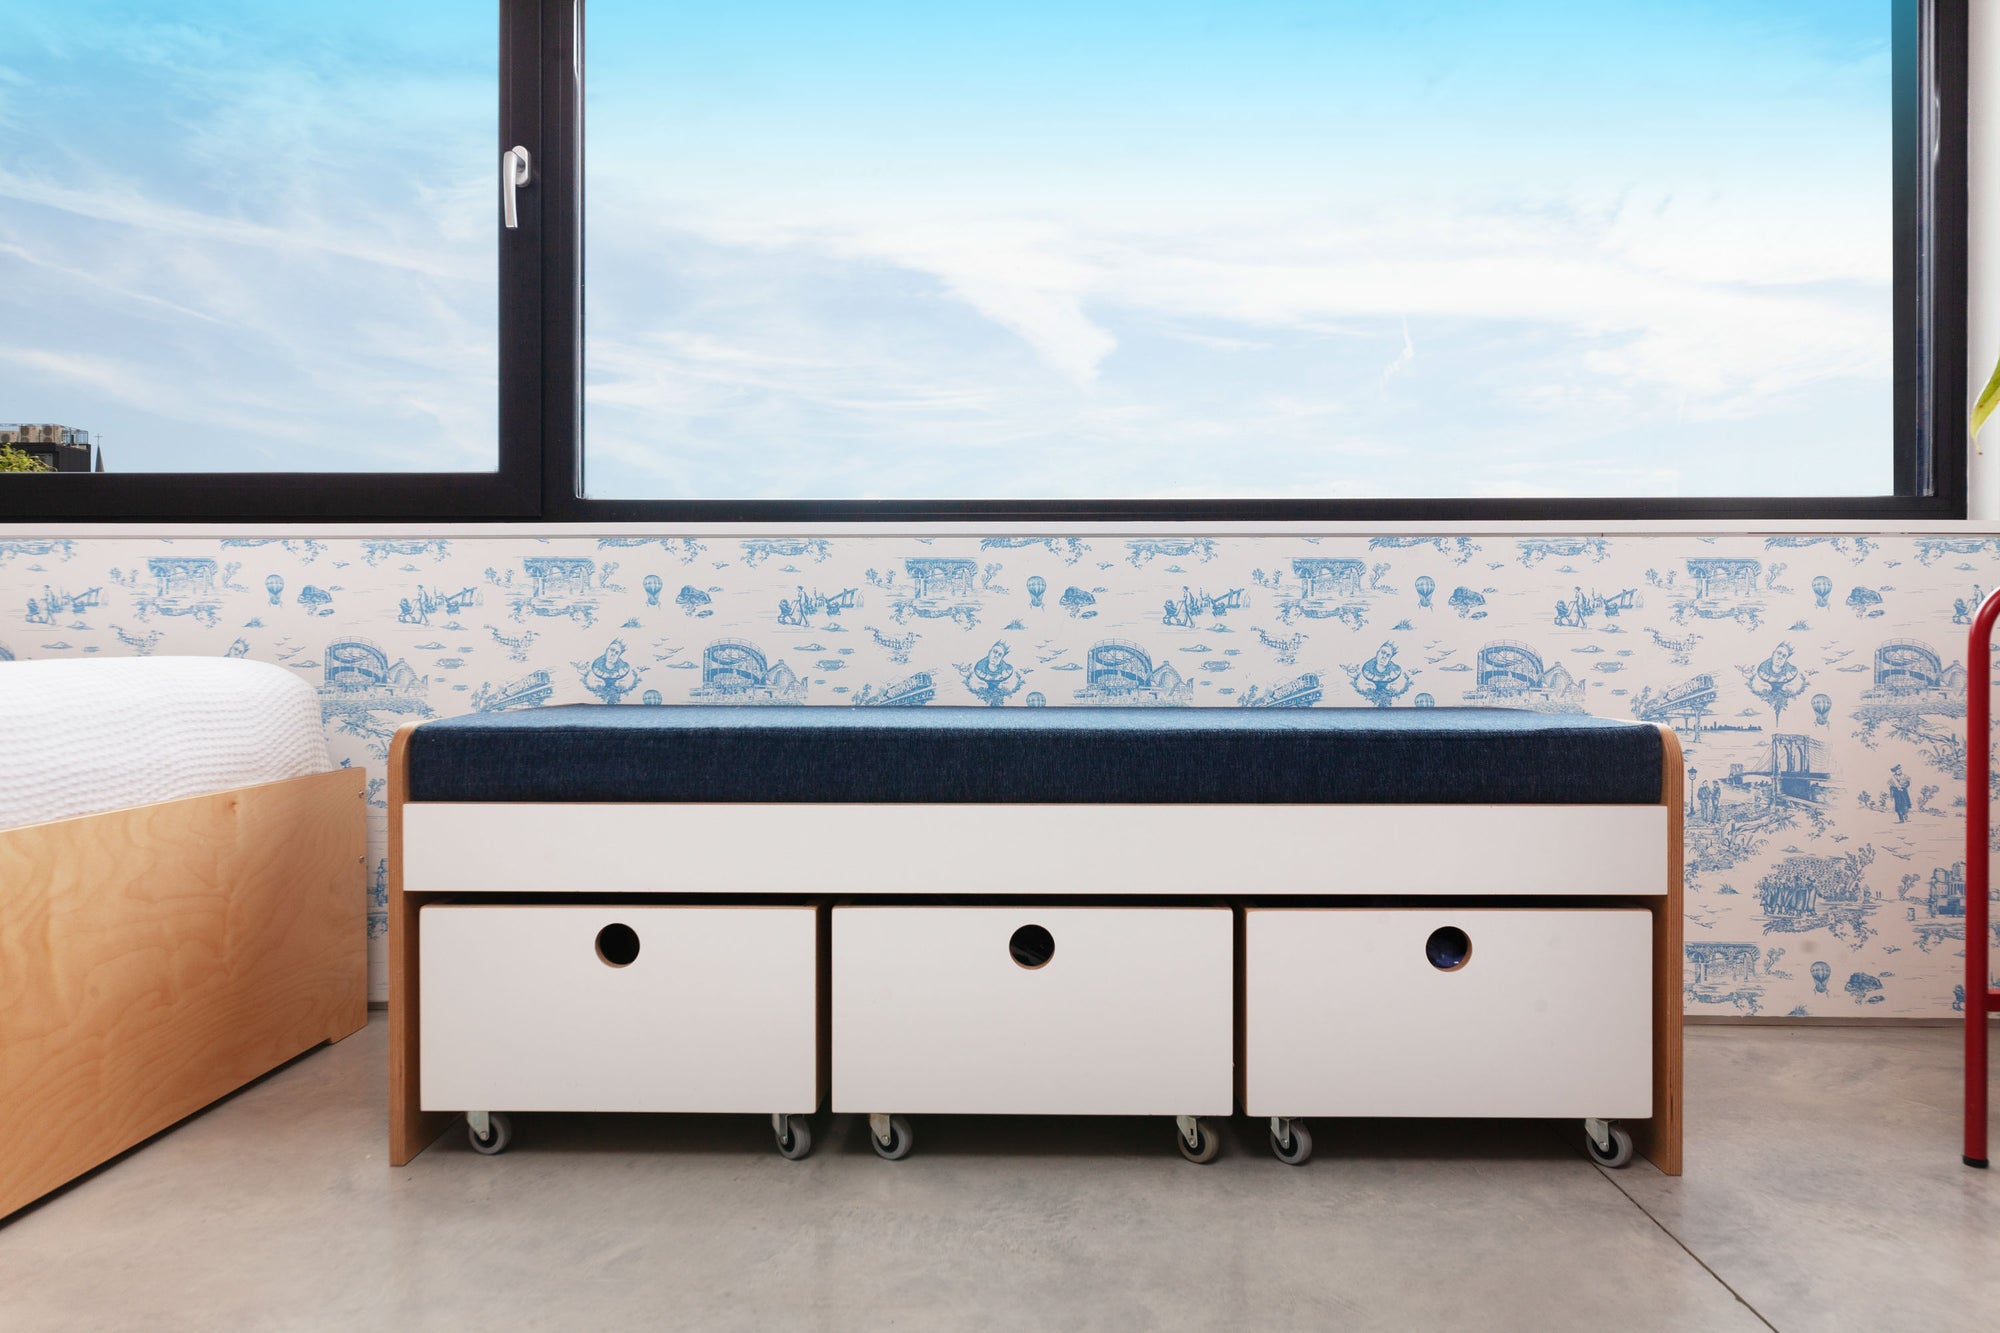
1989	398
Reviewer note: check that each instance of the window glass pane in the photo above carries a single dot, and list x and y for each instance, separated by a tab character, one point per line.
243	235
1253	248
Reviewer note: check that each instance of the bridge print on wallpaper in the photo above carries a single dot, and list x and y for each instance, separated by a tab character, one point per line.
1818	683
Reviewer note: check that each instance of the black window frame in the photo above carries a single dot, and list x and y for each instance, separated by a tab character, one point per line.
540	472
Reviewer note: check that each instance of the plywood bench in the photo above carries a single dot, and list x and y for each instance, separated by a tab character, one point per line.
1447	912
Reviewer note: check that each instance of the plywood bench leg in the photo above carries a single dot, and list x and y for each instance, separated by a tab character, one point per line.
411	1128
1659	1139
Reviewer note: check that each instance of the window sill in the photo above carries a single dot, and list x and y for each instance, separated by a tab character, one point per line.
1976	527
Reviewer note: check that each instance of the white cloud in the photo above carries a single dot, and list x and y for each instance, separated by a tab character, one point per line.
1716	299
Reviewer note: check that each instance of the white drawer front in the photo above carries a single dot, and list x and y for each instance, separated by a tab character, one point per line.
1346	1014
718	1011
1131	1015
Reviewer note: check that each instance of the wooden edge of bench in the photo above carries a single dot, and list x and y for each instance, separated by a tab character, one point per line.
411	1128
1659	1139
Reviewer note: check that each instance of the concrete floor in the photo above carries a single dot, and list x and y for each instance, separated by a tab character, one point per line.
1823	1192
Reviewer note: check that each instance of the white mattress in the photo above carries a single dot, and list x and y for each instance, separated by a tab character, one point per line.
79	737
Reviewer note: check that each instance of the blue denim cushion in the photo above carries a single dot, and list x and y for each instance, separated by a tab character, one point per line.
588	752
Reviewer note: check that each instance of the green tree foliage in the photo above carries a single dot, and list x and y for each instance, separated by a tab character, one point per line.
13	460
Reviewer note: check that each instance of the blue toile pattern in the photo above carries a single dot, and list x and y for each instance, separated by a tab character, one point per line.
1818	683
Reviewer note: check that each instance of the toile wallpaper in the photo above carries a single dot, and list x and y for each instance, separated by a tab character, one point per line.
1818	683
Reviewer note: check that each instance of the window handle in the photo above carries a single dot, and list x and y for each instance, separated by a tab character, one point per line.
516	169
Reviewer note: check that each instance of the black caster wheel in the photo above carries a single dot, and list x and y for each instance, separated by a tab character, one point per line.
901	1139
1617	1155
1299	1151
1207	1143
797	1140
499	1133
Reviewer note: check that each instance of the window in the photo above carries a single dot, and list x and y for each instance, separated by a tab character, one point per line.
248	247
1451	259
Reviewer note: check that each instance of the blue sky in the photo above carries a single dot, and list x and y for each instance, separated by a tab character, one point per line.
1514	247
248	235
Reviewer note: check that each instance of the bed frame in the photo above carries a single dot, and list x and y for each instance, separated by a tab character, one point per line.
157	958
1553	857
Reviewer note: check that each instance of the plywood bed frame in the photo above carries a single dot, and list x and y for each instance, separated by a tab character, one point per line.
501	849
154	959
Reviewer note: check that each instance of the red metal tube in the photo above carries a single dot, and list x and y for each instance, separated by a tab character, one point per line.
1978	989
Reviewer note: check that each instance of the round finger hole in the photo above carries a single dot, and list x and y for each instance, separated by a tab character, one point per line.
1448	948
1031	946
617	944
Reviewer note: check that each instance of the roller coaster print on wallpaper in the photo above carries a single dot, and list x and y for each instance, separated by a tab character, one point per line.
1817	682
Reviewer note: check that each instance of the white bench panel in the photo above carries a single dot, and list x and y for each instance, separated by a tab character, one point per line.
1131	1015
719	1011
1035	849
1551	1014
